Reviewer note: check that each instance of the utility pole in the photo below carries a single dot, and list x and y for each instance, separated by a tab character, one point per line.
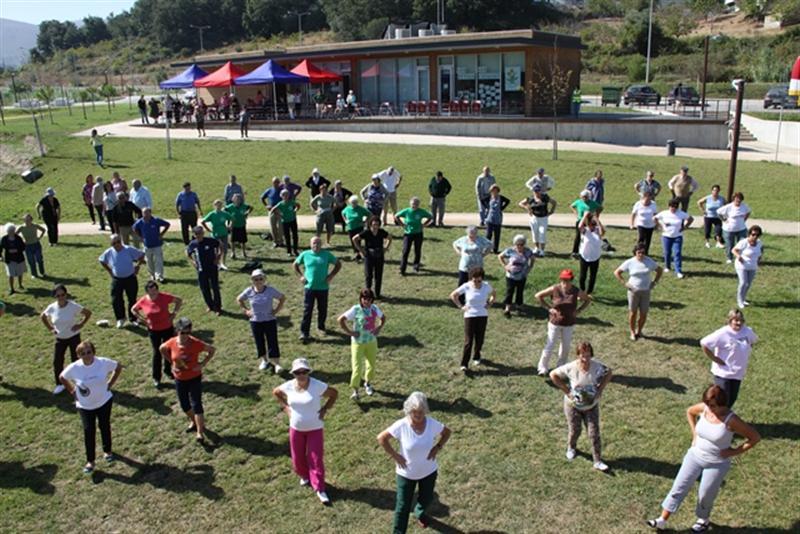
14	88
38	133
200	29
705	76
649	43
300	16
737	122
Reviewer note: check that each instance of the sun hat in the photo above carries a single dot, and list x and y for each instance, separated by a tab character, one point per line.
566	274
257	272
300	363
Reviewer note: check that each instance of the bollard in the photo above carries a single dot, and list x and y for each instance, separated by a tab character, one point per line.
670	147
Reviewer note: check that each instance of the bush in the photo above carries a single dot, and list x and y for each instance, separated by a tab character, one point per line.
637	68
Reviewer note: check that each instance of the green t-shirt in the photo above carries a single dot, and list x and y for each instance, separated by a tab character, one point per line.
582	207
219	221
238	214
316	267
413	219
286	209
354	217
30	234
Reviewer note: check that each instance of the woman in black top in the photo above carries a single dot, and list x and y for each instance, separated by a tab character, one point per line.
373	244
12	247
340	196
539	206
49	210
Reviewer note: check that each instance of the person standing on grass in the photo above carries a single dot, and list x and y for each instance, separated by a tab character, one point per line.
154	111
239	211
301	400
368	321
96	141
199	117
126	213
374	195
583	382
494	215
86	194
122	264
639	286
648	184
354	217
322	206
563	313
315	182
49	210
316	282
643	220
97	201
421	438
439	187
713	426
187	204
673	222
729	350
204	254
544	181
539	206
591	248
709	205
153	310
682	186
734	217
340	198
220	221
293	188
119	183
13	249
258	304
270	199
748	254
287	208
183	352
373	244
233	187
471	249
479	296
89	380
411	219
32	234
391	180
517	262
151	232
64	318
483	182
580	207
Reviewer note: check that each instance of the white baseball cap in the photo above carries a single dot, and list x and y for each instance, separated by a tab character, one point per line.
300	363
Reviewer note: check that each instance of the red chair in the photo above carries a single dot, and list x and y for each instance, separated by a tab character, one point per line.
433	107
455	107
422	107
465	108
411	107
476	107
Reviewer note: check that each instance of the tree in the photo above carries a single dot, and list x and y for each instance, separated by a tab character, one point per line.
46	94
54	36
108	91
706	8
633	36
92	92
263	18
83	95
677	20
94	30
551	88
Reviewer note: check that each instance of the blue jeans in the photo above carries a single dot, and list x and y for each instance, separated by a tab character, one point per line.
33	253
483	209
98	150
672	251
731	238
309	296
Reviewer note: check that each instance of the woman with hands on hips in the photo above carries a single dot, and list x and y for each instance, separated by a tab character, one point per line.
64	318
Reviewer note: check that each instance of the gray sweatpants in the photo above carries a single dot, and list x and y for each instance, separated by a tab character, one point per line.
154	256
746	278
437	210
711	477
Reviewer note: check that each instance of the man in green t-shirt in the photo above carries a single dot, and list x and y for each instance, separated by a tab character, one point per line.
354	217
316	280
238	211
220	221
411	220
579	208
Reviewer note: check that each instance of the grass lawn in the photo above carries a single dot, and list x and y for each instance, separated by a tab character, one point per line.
207	165
788	116
504	469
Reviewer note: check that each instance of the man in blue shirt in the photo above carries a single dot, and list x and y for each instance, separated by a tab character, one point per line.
204	253
270	199
151	230
122	264
232	188
187	204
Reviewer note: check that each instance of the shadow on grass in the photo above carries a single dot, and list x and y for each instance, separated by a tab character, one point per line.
648	382
230	391
709	274
36	398
657	304
685	341
780	264
761	530
36	478
400	341
778	430
342	377
205	334
414	301
156	404
638	464
194	479
459	405
594	321
253	444
790	305
74	244
18	309
384	499
491	368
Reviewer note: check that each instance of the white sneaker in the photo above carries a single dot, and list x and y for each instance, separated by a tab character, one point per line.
728	262
304	482
701	525
323	497
463	368
746	303
278	368
120	323
223	267
570	454
679	276
535	251
720	245
541	253
264	365
58	389
600	466
354	396
666	269
369	389
477	362
708	245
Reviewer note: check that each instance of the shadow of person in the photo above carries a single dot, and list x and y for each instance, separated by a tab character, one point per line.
36	478
458	405
685	341
157	404
400	341
492	368
230	391
253	444
17	309
639	464
789	431
648	382
37	398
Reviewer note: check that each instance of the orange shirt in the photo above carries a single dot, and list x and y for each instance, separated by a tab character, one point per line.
185	359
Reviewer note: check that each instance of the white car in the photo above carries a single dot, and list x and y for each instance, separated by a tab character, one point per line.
29	103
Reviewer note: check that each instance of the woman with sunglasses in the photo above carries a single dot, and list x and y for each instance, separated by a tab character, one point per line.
258	303
64	318
184	351
88	381
748	253
301	399
478	298
368	321
729	350
153	310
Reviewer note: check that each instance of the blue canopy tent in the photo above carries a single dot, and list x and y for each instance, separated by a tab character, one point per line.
184	80
270	72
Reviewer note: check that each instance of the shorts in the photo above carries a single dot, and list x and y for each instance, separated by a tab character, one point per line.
14	268
391	200
239	235
639	300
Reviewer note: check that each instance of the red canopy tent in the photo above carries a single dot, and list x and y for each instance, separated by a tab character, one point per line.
222	77
314	73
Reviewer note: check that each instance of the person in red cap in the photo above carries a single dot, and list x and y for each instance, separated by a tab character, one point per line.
563	309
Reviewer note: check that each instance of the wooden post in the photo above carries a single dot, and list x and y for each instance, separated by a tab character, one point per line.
737	123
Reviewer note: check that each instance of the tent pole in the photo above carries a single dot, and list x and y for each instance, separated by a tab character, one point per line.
166	122
275	100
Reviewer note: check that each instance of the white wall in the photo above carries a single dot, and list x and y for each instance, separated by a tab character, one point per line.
767	132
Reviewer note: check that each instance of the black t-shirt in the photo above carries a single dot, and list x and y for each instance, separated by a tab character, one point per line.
124	213
204	253
373	241
539	207
13	249
48	209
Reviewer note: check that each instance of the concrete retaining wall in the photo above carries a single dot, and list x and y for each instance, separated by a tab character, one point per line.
767	131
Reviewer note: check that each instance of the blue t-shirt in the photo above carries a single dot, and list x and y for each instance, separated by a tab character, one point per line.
204	253
273	194
187	201
150	231
121	261
713	205
597	189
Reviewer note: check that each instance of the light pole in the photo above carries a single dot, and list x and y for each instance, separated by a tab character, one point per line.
649	43
200	29
300	16
737	122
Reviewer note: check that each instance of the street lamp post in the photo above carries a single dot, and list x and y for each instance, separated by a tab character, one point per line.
200	29
649	43
300	16
705	75
737	122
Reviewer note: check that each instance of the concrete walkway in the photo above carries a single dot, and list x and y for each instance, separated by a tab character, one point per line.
748	151
788	228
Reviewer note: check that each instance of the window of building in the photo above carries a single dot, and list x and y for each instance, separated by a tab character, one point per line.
387	80
406	81
369	71
466	67
513	95
489	82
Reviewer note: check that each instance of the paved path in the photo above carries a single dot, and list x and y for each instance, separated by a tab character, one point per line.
791	228
754	151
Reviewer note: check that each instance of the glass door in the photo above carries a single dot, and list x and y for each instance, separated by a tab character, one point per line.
423	84
445	83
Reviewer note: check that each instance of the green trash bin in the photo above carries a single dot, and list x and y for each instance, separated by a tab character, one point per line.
611	95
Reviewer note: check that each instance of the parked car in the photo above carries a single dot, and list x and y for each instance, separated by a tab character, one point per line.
29	103
641	94
683	95
778	97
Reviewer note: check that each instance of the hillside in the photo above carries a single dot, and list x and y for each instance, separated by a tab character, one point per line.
16	38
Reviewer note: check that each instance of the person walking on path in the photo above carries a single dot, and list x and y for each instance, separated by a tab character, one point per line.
316	281
97	201
710	205
32	234
639	286
517	262
391	180
643	220
748	253
734	217
471	249
494	216
13	254
141	104
239	211
539	206
483	182
713	426
729	350
648	184
583	382
439	187
590	251
315	182
87	380
65	319
673	222
183	352
86	195
322	206
220	221
287	208
122	264
204	253
411	219
301	400
49	211
479	296
374	195
118	183
187	204
96	140
563	313
367	320
151	231
580	207
153	310
270	199
373	244
682	186
258	304
421	438
354	217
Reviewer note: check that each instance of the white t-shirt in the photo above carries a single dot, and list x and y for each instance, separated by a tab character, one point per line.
733	216
390	179
672	223
638	272
64	319
583	386
644	214
749	255
731	347
416	447
591	244
305	404
91	381
475	299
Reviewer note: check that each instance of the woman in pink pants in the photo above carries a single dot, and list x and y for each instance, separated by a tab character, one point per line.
301	400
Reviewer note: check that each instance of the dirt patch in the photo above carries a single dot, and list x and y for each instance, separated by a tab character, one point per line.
733	25
17	158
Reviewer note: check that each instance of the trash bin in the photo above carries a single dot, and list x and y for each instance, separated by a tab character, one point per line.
610	95
670	147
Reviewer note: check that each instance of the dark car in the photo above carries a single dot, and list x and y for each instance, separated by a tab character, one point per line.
684	96
641	94
778	97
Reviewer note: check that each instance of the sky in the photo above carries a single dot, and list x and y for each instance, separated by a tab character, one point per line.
36	11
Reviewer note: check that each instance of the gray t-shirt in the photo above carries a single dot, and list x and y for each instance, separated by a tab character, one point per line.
638	272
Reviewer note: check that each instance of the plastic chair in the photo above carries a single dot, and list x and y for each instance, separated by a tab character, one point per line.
433	107
422	107
411	107
476	107
455	107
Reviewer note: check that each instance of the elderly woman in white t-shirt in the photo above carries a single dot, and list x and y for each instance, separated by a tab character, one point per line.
642	220
64	318
748	254
729	350
416	465
639	285
673	222
301	400
478	298
591	248
734	217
